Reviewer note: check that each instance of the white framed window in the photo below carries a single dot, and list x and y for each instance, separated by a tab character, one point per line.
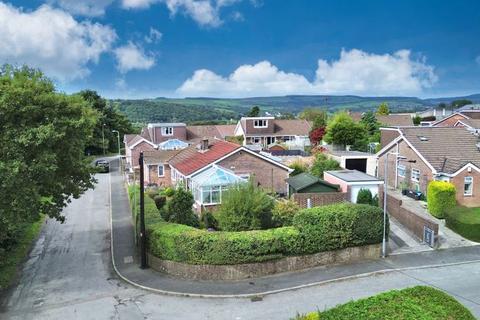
260	123
256	140
167	131
415	176
210	195
468	186
161	170
401	170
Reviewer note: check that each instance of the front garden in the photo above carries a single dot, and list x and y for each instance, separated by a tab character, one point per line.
464	221
419	302
251	226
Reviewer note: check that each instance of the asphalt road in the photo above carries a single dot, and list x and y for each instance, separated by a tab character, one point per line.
69	276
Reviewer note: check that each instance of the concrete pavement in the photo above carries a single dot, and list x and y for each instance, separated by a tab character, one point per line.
69	276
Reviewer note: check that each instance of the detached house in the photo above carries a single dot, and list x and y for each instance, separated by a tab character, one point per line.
208	168
418	155
268	131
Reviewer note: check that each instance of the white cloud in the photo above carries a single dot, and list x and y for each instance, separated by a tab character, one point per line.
154	36
132	57
204	12
89	8
355	72
52	40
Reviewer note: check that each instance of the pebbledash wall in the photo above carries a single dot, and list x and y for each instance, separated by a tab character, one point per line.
260	269
319	199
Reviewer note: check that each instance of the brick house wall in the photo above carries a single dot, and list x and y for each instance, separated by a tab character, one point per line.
179	132
459	180
405	151
319	199
151	175
387	136
250	129
472	114
135	153
264	173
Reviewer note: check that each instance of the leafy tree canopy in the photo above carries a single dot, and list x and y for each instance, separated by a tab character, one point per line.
369	121
323	163
460	103
254	112
383	109
342	130
43	135
310	114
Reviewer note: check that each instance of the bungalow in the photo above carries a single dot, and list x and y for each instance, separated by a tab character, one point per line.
134	145
156	167
266	131
214	164
419	155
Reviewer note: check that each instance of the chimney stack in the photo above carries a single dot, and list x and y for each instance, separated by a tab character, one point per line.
204	144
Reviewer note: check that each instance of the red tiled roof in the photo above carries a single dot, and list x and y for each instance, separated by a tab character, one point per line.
192	159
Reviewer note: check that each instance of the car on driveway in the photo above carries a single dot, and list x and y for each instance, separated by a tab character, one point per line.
102	165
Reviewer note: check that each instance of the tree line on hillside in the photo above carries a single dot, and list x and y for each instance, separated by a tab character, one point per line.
44	136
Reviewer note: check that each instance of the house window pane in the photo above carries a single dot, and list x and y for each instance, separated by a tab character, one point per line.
401	171
167	131
260	123
161	170
415	175
216	195
468	186
206	196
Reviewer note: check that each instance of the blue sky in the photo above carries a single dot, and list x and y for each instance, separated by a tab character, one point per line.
235	48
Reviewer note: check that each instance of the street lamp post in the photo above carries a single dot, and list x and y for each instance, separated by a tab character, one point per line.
118	140
103	138
143	248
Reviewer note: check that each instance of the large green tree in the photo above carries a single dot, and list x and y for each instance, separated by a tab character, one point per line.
109	119
383	109
343	131
42	140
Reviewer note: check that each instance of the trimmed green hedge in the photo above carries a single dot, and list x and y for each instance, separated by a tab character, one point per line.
314	230
465	221
338	226
441	198
419	302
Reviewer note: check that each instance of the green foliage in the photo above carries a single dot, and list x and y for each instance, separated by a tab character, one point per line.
369	121
179	208
168	192
208	220
364	196
109	119
283	212
323	163
420	302
151	192
460	103
416	120
312	114
441	198
464	221
151	211
342	130
43	135
245	207
383	109
254	112
338	226
298	167
375	200
160	201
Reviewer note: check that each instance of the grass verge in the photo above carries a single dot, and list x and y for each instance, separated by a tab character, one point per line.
465	221
11	260
419	302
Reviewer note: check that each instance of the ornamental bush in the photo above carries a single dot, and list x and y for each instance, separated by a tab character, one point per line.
179	208
441	198
283	212
338	226
364	196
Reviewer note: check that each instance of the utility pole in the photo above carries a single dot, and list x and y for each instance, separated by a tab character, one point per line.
103	138
118	140
143	248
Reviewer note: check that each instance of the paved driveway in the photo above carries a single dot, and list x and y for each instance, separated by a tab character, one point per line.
69	276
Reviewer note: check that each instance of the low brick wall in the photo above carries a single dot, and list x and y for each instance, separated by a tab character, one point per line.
260	269
413	221
319	199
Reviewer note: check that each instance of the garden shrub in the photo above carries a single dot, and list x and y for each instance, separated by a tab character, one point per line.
441	198
168	192
151	192
283	212
179	208
338	226
323	163
160	201
364	196
245	207
208	220
298	167
375	200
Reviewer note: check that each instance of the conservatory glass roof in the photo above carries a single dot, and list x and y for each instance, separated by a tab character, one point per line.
216	176
172	144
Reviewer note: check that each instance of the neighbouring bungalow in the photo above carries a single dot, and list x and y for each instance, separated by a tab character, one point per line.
134	145
265	132
231	163
352	181
156	167
419	155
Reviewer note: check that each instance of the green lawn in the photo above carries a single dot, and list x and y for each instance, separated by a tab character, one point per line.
465	221
419	302
10	262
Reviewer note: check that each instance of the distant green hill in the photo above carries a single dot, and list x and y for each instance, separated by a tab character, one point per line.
221	110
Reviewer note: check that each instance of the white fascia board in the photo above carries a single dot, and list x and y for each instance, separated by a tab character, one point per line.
140	141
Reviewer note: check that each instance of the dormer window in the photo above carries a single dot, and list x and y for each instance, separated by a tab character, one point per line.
261	123
167	131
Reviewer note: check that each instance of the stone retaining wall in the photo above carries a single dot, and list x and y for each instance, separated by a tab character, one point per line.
260	269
